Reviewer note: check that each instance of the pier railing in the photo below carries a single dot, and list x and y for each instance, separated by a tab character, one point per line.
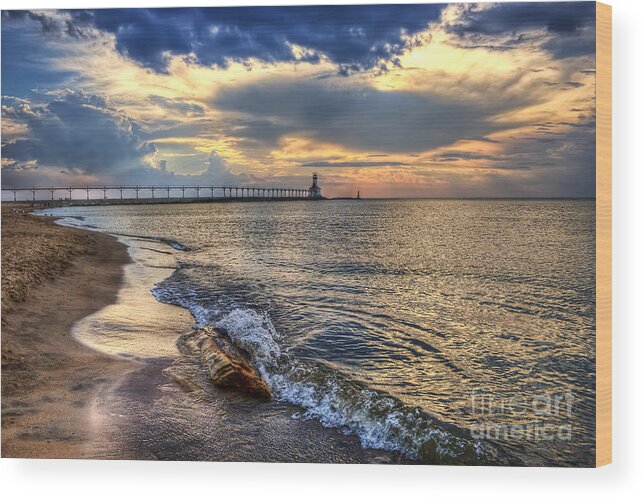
89	192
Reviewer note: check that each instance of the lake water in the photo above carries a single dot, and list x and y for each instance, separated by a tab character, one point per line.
450	331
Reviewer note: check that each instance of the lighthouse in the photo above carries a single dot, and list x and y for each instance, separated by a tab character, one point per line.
314	192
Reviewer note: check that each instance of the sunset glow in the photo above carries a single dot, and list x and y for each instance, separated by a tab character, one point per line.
436	104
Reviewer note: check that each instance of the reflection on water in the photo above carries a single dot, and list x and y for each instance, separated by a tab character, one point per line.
137	325
389	319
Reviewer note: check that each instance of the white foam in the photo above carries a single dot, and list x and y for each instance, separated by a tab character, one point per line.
203	316
380	421
254	332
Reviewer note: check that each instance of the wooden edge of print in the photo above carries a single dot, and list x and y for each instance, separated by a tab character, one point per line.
603	234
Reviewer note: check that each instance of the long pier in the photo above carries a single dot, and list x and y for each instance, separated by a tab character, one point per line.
88	192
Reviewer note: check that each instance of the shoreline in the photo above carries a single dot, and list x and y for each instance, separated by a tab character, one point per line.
54	276
129	396
62	399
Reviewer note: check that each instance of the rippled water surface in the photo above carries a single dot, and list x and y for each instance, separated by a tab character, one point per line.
430	328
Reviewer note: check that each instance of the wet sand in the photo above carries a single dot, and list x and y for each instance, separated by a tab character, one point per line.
52	277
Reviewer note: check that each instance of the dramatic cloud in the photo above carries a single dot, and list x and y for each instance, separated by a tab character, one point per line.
352	37
256	132
397	100
565	29
76	131
84	135
75	24
363	118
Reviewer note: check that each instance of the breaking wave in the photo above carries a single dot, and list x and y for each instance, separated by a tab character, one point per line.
378	419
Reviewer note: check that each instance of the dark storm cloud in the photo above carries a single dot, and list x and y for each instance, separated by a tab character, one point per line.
501	18
566	162
76	131
262	132
569	27
564	46
76	24
364	119
354	37
568	155
561	163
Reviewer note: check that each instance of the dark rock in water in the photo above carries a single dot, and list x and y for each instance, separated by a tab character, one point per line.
226	365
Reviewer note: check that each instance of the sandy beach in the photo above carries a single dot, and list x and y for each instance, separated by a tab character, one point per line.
51	277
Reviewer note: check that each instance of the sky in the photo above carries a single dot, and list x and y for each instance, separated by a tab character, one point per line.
435	100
